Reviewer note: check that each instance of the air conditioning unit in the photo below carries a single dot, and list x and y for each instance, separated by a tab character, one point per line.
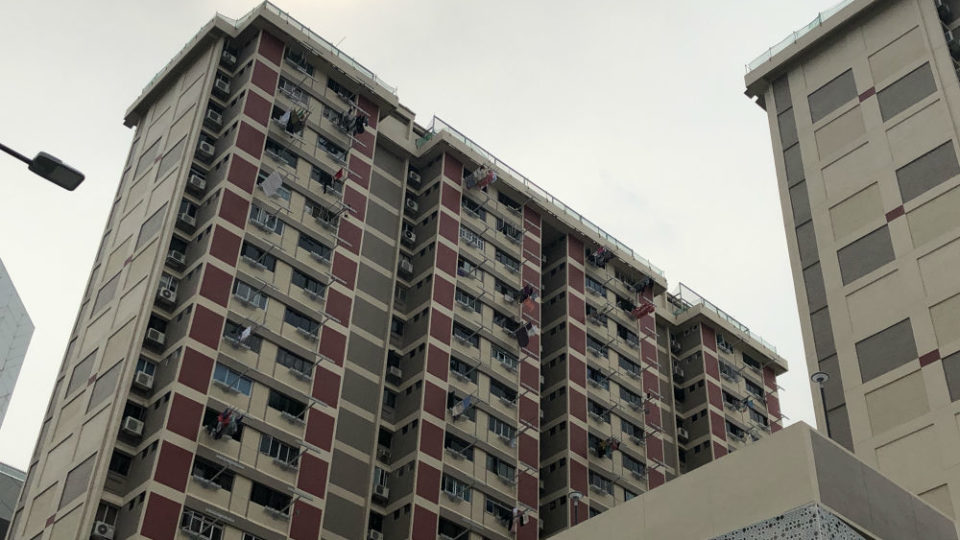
156	336
167	295
412	205
381	491
943	10
213	118
196	182
187	219
228	58
132	426
395	371
374	535
176	257
409	237
205	150
413	178
406	266
102	531
682	434
143	380
222	86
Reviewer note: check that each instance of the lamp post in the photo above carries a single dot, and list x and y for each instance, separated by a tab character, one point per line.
821	378
575	497
49	167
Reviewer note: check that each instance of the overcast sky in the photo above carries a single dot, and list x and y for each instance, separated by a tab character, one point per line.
631	112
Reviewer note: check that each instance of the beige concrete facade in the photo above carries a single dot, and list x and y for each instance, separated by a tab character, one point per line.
863	111
349	314
757	492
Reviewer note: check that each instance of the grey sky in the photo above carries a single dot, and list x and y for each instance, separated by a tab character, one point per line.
631	112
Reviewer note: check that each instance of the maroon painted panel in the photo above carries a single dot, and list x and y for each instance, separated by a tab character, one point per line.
655	448
332	345
648	352
360	171
195	369
440	326
446	259
326	387
651	382
711	365
867	93
173	466
773	405
424	524
271	48
769	378
575	278
354	199
242	173
930	357
312	476
350	236
428	482
338	306
647	325
160	518
717	426
234	208
709	336
256	107
207	327
225	245
448	228
655	478
250	140
653	415
434	400
575	249
577	404
529	450
431	440
578	477
346	270
443	292
531	221
578	370
528	489
531	275
453	169
265	78
531	249
305	521
530	376
775	427
529	411
216	285
184	417
319	430
438	362
719	450
895	213
577	338
450	197
714	396
365	143
371	109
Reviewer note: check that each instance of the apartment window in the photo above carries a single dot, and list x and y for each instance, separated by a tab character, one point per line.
146	366
508	360
505	290
597	410
269	497
628	366
598	378
508	229
120	463
168	282
249	536
473	207
340	90
757	417
456	488
293	91
633	465
498	509
213	472
233	331
503	321
471	238
232	379
453	400
320	213
286	404
277	449
595	286
630	397
301	321
751	362
458	445
630	429
627	495
595	314
389	399
107	513
315	247
508	202
467	268
501	428
380	476
502	391
467	300
754	388
512	264
327	182
601	483
298	363
396	326
464	335
595	347
201	526
464	369
210	421
280	153
331	148
258	256
282	193
300	61
628	336
265	220
249	294
307	283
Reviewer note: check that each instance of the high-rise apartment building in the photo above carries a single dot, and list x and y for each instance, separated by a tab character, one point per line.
863	112
311	315
16	329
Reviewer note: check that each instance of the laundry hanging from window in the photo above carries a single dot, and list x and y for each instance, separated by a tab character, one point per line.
528	296
228	423
353	123
524	332
520	517
272	185
293	121
460	408
606	447
481	178
601	256
645	308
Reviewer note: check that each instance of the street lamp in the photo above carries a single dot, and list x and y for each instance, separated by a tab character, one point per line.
50	167
575	497
821	378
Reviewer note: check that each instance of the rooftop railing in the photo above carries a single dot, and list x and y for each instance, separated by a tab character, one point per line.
438	125
792	38
688	299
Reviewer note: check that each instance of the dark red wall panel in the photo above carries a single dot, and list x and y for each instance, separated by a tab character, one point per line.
216	285
773	406
250	140
271	48
528	450
769	379
434	400
173	466
578	439
256	107
305	523
312	476
431	440
346	270
529	411
360	171
356	200
160	518
709	337
446	259
530	376
424	524
326	386
648	352
350	236
319	430
528	489
332	345
719	450
207	327
438	362
234	208
448	228
714	395
717	425
195	370
578	370
338	306
575	278
365	143
184	417
575	249
440	326
577	338
655	478
711	365
443	292
370	108
225	245
428	482
450	197
655	448
452	169
242	173
578	478
265	78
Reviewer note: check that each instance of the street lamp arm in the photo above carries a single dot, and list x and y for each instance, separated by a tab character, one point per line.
15	154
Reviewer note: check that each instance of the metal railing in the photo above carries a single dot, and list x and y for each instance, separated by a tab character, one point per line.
437	125
688	299
792	38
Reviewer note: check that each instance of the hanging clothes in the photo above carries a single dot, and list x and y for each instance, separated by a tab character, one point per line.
360	125
236	422
489	178
342	174
271	186
284	119
524	332
223	420
600	448
644	309
460	408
